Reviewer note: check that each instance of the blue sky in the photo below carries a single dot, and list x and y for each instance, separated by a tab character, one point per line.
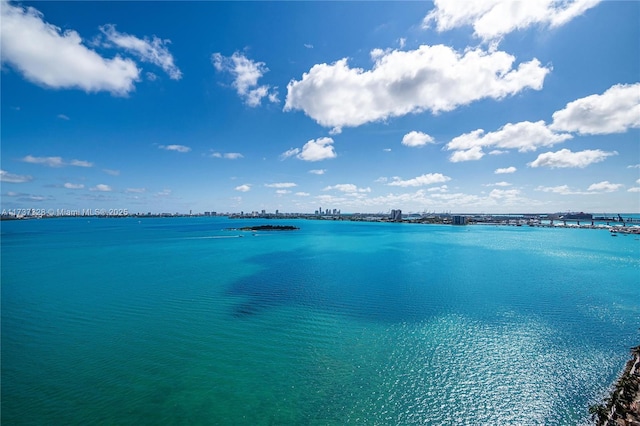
489	106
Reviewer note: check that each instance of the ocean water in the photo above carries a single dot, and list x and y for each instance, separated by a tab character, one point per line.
181	321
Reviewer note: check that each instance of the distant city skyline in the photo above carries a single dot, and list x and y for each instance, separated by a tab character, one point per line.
503	107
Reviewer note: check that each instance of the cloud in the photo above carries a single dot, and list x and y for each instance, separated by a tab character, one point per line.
48	161
80	163
470	154
178	148
492	19
634	166
308	45
414	139
280	185
21	196
316	150
135	190
102	188
283	191
289	153
246	74
524	136
503	183
441	188
430	78
615	111
69	185
318	171
112	172
605	186
56	161
504	193
232	155
63	117
560	189
426	179
566	158
347	187
164	193
152	50
510	169
56	59
302	194
227	155
243	188
13	178
634	189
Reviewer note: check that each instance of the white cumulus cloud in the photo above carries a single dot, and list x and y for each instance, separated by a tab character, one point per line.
56	161
101	187
50	57
177	148
289	153
504	170
415	138
246	74
504	193
7	177
566	158
153	50
227	155
80	163
347	187
318	171
317	150
280	185
524	136
69	185
243	188
424	180
615	111
605	186
560	189
430	78
470	154
492	19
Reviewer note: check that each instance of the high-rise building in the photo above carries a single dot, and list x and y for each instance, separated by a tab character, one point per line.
459	220
396	215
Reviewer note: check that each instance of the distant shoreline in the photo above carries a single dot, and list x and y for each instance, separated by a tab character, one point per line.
616	225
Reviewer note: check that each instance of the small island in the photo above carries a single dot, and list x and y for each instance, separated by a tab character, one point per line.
267	228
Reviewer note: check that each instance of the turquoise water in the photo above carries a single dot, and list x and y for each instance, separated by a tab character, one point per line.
179	321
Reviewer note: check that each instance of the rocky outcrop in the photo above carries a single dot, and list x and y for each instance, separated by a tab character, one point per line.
622	406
